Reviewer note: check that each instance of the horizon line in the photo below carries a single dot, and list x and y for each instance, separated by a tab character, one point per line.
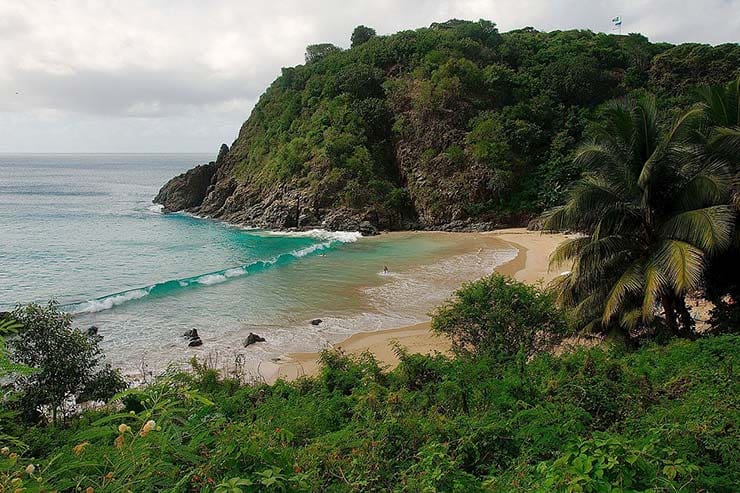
103	152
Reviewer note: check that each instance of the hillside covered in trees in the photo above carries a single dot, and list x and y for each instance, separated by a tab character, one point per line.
438	127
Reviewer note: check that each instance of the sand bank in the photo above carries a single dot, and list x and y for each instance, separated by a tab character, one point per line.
530	266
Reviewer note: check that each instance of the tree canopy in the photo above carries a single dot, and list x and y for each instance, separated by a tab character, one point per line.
466	121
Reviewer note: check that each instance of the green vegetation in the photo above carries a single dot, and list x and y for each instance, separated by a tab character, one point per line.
663	418
502	318
654	206
503	415
469	122
68	366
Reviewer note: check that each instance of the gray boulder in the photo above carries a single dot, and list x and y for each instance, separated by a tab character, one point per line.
253	338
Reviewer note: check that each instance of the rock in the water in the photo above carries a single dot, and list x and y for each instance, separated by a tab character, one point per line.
186	190
253	338
92	331
366	228
193	338
316	321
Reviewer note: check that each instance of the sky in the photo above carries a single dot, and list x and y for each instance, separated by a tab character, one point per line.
182	76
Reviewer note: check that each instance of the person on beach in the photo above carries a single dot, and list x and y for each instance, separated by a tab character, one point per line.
385	270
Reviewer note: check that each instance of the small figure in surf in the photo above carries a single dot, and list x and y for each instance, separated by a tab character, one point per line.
385	270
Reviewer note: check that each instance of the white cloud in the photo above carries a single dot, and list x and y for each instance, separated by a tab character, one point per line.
143	75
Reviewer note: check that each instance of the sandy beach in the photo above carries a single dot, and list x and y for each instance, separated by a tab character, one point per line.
530	266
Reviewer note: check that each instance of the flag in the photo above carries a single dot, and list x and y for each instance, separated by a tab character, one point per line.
617	21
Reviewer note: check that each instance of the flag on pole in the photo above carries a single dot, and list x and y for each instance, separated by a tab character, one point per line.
617	21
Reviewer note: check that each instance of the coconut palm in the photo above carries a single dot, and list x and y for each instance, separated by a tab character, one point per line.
721	107
651	209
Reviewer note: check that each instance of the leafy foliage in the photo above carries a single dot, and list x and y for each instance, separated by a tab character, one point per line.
663	417
362	34
502	317
67	363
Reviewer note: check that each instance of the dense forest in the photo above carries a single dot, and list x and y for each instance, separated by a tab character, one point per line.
448	124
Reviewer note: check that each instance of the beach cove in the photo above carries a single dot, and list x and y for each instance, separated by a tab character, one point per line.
530	265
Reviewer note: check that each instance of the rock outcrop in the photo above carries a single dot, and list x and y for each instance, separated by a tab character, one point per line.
187	190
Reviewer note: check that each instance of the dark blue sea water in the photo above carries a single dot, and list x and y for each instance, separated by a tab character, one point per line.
81	229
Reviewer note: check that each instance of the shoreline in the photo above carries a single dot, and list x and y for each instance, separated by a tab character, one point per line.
529	266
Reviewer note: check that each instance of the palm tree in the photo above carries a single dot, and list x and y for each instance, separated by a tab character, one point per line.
721	108
651	208
721	138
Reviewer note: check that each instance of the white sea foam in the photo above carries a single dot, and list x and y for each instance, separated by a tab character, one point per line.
209	279
93	306
310	249
320	234
156	208
235	272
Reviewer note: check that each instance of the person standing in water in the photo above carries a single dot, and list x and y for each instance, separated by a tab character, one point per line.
385	270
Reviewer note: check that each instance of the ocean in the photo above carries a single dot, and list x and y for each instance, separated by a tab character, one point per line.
81	229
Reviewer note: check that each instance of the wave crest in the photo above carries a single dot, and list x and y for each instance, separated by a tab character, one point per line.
166	287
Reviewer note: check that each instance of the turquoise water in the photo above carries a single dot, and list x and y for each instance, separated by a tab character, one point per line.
82	229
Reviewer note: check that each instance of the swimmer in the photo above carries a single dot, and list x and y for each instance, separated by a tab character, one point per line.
385	270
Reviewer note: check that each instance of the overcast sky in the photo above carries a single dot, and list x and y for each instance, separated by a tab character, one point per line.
181	76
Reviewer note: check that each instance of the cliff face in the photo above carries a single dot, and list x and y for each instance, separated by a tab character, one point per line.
456	126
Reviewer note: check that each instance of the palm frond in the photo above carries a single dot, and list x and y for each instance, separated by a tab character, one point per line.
567	250
629	283
727	140
681	263
655	282
709	229
629	319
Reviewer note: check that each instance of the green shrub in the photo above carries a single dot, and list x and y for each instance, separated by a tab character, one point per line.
500	316
67	363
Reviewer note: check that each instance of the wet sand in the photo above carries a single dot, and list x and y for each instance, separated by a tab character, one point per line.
530	265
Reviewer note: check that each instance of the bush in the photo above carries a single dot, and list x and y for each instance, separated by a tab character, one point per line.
500	316
68	364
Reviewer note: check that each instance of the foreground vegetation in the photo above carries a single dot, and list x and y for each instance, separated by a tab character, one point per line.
500	416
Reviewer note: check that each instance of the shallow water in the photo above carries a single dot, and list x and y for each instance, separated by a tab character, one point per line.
82	229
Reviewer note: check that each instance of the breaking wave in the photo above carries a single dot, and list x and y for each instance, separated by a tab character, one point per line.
167	287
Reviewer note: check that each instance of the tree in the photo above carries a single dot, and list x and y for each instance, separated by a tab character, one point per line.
68	364
316	52
499	316
721	107
651	210
362	34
